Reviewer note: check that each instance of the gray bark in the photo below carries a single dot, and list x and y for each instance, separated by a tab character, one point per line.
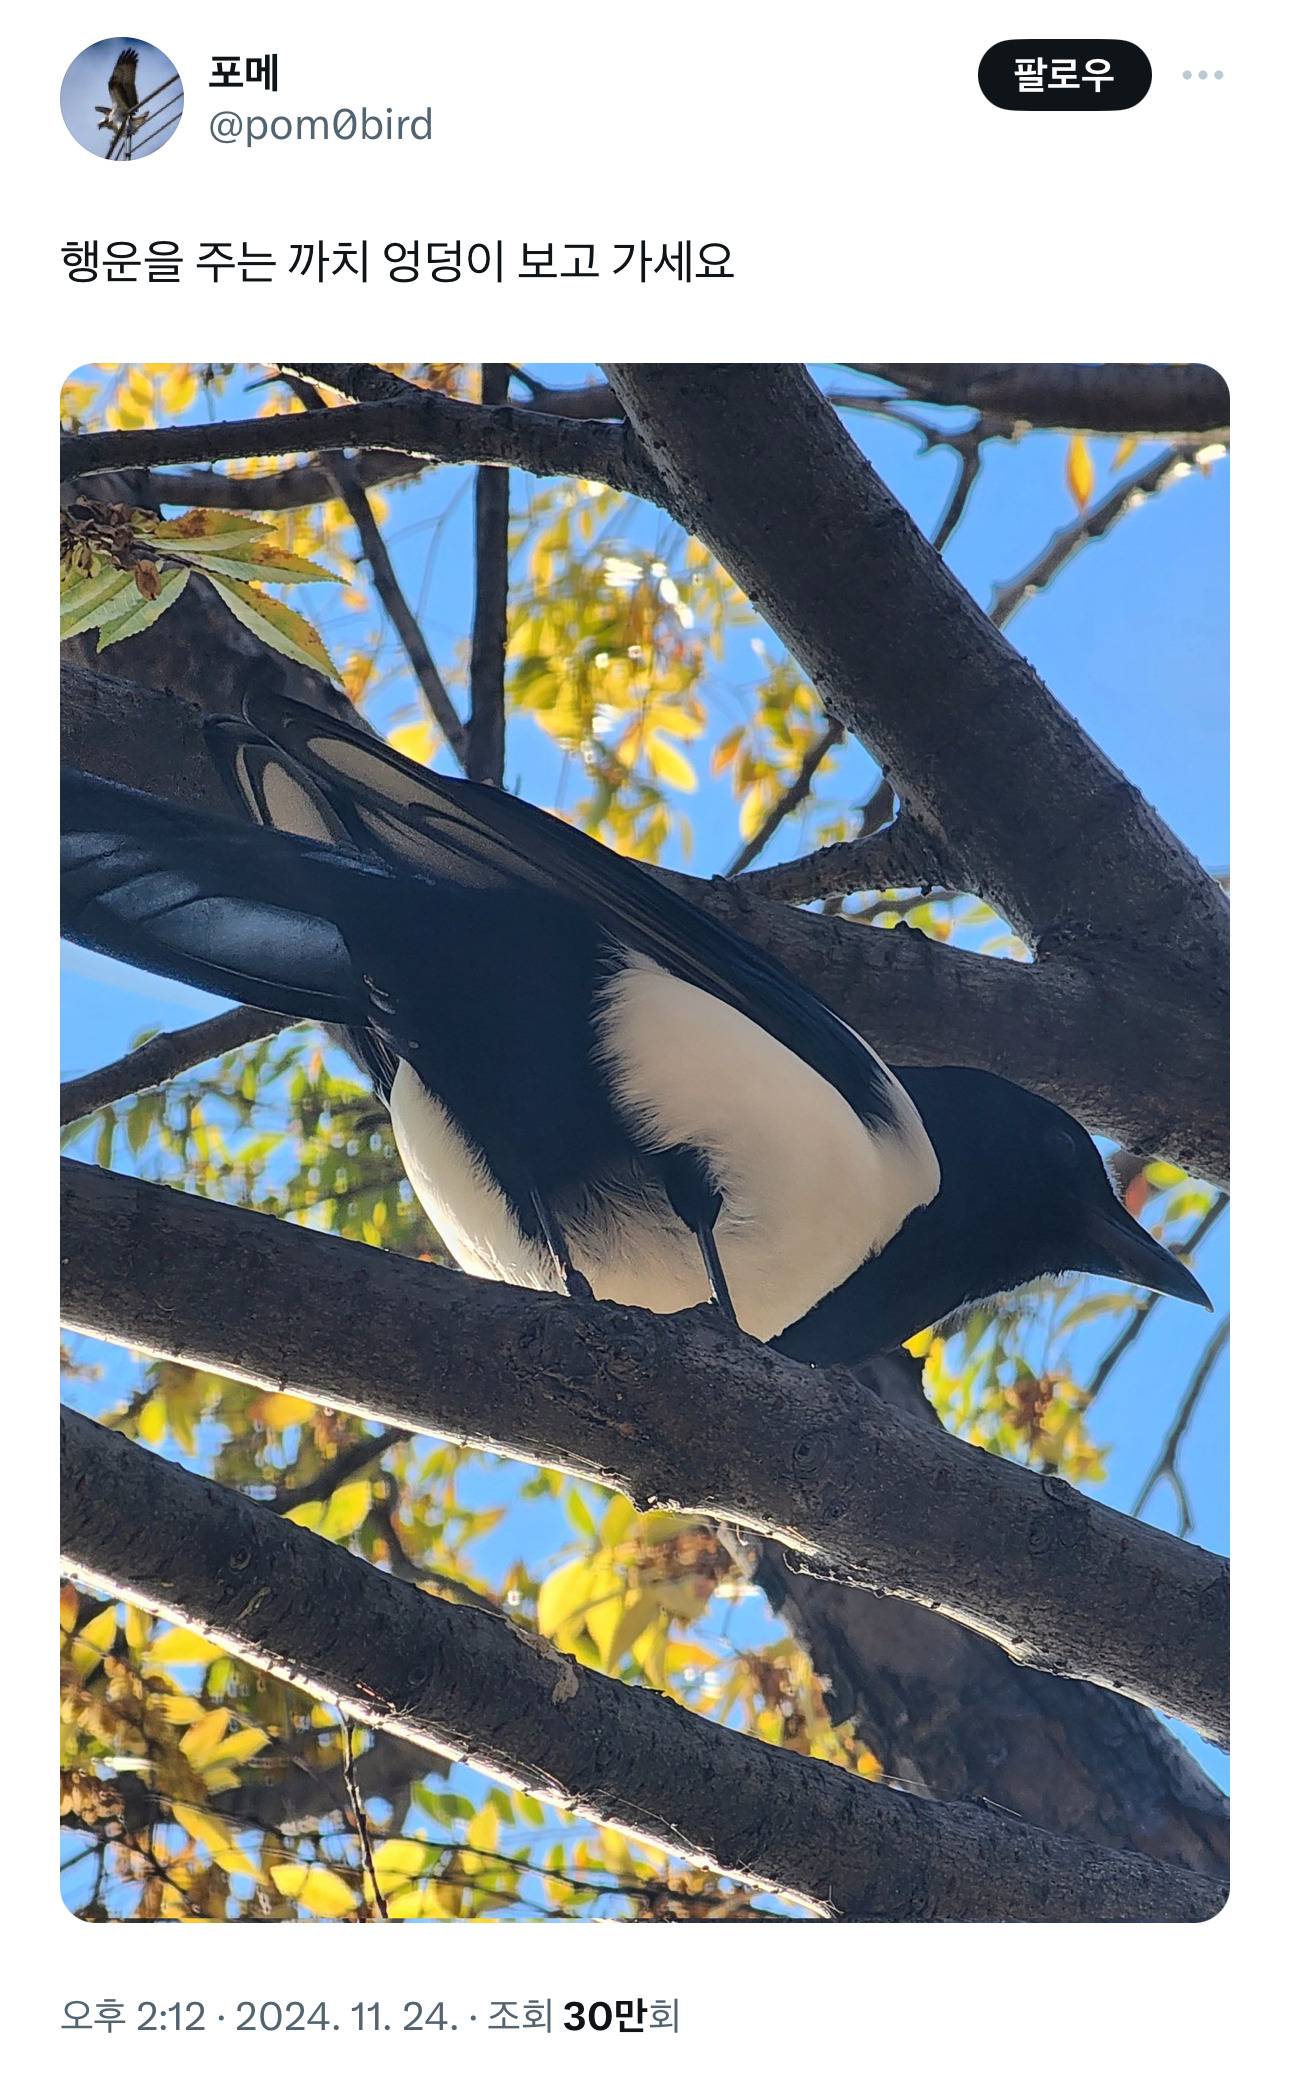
475	1686
677	1412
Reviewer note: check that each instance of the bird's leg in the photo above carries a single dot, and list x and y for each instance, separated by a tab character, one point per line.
716	1273
575	1282
697	1200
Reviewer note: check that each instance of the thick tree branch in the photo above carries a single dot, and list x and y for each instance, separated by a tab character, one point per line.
757	464
163	1057
403	419
897	855
479	1688
949	1714
1025	809
1157	401
675	1412
290	489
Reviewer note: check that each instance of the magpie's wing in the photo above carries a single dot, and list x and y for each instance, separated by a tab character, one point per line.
477	835
122	83
242	911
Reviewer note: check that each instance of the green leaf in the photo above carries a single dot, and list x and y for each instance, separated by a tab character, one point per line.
579	1514
145	611
564	1595
91	600
256	559
276	625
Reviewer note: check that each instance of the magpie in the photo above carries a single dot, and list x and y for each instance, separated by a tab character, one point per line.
594	1087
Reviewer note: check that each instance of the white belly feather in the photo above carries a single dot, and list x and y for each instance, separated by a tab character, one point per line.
809	1191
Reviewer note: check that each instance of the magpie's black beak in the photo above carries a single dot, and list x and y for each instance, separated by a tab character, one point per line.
1123	1249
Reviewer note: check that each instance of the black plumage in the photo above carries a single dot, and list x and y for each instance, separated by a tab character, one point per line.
594	1085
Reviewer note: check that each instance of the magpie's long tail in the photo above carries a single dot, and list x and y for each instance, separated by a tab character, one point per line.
275	920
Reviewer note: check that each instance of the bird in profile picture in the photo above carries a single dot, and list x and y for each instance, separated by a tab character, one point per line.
121	116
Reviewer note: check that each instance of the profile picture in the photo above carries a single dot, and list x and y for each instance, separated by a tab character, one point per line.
122	99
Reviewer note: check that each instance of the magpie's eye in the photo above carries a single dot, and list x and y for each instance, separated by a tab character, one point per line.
1065	1147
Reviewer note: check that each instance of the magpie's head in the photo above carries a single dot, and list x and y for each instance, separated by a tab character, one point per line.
1023	1193
1025	1190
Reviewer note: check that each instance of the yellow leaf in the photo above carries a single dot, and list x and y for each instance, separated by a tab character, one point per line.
204	1737
68	1607
181	1707
138	1628
152	1420
100	1633
316	1888
204	1828
182	1646
413	741
345	1511
1079	470
603	1617
1124	452
564	1595
726	750
670	766
403	1858
617	1521
278	1410
639	1609
246	1742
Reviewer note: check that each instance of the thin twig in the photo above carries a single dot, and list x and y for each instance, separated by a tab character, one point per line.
360	1822
345	1465
792	797
1092	524
1124	1339
486	734
164	1057
1165	1467
349	488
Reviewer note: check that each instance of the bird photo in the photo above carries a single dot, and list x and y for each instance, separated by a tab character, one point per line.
645	1132
122	99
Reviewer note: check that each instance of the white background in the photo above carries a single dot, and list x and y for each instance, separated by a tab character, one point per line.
878	209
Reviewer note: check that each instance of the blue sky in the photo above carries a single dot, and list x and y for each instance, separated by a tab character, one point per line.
1132	638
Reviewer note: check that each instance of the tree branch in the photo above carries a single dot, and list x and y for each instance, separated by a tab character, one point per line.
163	1058
1158	401
402	419
349	488
675	1412
896	855
290	489
758	466
1093	524
486	738
790	799
1165	1467
481	1689
947	1713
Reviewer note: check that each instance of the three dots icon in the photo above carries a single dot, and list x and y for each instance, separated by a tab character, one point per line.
1202	75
